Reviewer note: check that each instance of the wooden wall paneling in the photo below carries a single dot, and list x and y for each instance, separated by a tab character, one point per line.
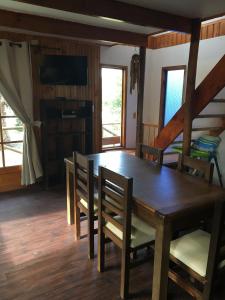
222	28
10	179
66	47
208	31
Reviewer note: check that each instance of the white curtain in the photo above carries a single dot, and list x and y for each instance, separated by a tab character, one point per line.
16	88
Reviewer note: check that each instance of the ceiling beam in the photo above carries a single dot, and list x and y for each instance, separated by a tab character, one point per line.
122	11
69	29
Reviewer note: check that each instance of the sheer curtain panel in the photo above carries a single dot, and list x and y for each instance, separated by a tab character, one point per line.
16	88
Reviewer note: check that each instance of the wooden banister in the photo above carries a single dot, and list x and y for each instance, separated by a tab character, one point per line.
213	83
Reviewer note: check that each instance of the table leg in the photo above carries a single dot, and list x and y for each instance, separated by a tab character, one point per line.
161	261
69	196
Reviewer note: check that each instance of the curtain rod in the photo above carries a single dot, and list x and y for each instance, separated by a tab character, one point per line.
33	46
13	44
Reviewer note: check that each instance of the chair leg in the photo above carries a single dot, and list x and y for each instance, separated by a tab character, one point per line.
218	171
77	221
208	293
101	250
125	272
133	255
91	235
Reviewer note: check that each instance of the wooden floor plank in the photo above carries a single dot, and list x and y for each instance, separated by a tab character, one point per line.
39	258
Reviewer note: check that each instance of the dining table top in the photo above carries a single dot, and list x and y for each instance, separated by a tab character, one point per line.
160	189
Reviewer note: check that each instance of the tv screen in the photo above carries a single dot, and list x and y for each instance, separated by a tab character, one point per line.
63	70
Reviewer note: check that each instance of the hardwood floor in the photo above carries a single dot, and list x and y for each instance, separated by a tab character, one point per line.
39	258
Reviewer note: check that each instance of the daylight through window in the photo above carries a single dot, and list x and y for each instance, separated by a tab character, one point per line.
11	136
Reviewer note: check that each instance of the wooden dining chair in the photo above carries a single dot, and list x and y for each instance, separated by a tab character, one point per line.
85	198
196	167
146	152
201	256
118	223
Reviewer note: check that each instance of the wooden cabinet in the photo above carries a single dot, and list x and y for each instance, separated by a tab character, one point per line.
66	127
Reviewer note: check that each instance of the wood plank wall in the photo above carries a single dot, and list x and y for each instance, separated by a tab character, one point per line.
66	47
89	92
169	39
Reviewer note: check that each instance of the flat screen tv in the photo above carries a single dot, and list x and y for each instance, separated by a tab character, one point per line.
63	70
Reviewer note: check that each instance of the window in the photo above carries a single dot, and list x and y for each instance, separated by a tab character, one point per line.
11	136
171	92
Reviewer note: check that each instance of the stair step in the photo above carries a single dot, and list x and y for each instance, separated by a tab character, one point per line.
206	128
218	101
180	142
170	152
210	116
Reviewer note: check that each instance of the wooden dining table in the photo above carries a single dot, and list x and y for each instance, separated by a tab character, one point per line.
165	198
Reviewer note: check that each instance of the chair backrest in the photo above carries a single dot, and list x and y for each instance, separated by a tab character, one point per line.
115	198
84	178
217	243
198	167
146	152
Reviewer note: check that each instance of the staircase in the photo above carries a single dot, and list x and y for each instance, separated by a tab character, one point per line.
208	113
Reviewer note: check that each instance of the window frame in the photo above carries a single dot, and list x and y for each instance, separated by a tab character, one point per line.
3	143
124	70
164	73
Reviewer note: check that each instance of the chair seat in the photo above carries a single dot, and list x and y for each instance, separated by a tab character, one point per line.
192	250
141	233
85	204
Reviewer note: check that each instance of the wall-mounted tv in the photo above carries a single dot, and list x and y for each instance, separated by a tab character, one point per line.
63	70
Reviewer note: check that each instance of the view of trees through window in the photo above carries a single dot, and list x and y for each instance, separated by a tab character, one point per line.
112	80
11	136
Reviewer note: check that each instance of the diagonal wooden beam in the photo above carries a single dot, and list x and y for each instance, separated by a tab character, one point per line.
70	29
211	85
118	10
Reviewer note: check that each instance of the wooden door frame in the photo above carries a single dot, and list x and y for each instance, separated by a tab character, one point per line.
163	90
124	101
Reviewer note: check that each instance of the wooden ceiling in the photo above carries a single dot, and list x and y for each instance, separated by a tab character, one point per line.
115	21
200	9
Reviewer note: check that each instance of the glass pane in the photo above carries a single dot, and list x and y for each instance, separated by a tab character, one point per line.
11	122
11	135
112	89
1	163
5	108
12	129
13	154
174	93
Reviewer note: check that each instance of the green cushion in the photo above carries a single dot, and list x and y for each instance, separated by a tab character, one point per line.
141	232
194	152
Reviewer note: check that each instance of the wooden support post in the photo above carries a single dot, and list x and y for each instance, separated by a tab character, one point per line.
140	100
190	87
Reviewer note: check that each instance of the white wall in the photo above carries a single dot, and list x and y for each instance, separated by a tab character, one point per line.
210	52
121	56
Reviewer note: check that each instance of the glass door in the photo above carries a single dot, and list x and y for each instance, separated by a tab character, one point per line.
113	106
